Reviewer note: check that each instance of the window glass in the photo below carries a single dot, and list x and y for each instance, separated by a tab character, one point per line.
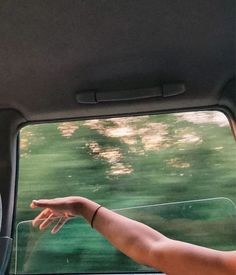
174	172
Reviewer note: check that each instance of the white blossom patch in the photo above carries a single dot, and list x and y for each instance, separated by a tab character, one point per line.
204	117
67	129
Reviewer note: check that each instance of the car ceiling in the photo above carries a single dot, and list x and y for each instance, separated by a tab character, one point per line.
52	49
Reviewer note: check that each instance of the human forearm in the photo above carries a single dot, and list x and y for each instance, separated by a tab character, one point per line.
149	247
131	237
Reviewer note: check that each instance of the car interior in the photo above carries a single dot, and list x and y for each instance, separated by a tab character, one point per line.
88	59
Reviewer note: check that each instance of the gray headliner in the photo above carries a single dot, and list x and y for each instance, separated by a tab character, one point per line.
51	49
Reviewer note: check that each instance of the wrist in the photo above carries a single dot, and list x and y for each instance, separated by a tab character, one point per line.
86	208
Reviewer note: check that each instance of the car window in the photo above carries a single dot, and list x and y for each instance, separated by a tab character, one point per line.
174	172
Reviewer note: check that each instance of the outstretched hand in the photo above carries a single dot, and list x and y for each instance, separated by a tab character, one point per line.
58	210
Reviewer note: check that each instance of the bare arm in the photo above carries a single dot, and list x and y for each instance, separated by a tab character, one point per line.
138	241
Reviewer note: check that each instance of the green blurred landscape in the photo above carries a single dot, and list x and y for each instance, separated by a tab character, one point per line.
126	163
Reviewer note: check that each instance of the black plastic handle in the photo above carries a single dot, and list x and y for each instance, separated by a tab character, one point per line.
97	96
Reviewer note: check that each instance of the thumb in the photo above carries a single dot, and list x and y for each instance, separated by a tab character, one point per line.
41	203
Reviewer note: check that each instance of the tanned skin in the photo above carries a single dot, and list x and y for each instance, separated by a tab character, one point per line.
138	241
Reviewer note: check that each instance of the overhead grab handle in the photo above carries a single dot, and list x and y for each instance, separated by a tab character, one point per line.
96	96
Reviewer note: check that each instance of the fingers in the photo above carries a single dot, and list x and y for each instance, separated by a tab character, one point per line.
47	222
59	225
46	218
41	217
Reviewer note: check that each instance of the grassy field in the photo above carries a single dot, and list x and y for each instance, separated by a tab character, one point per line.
127	163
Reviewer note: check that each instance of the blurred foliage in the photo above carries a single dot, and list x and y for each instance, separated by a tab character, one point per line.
124	163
